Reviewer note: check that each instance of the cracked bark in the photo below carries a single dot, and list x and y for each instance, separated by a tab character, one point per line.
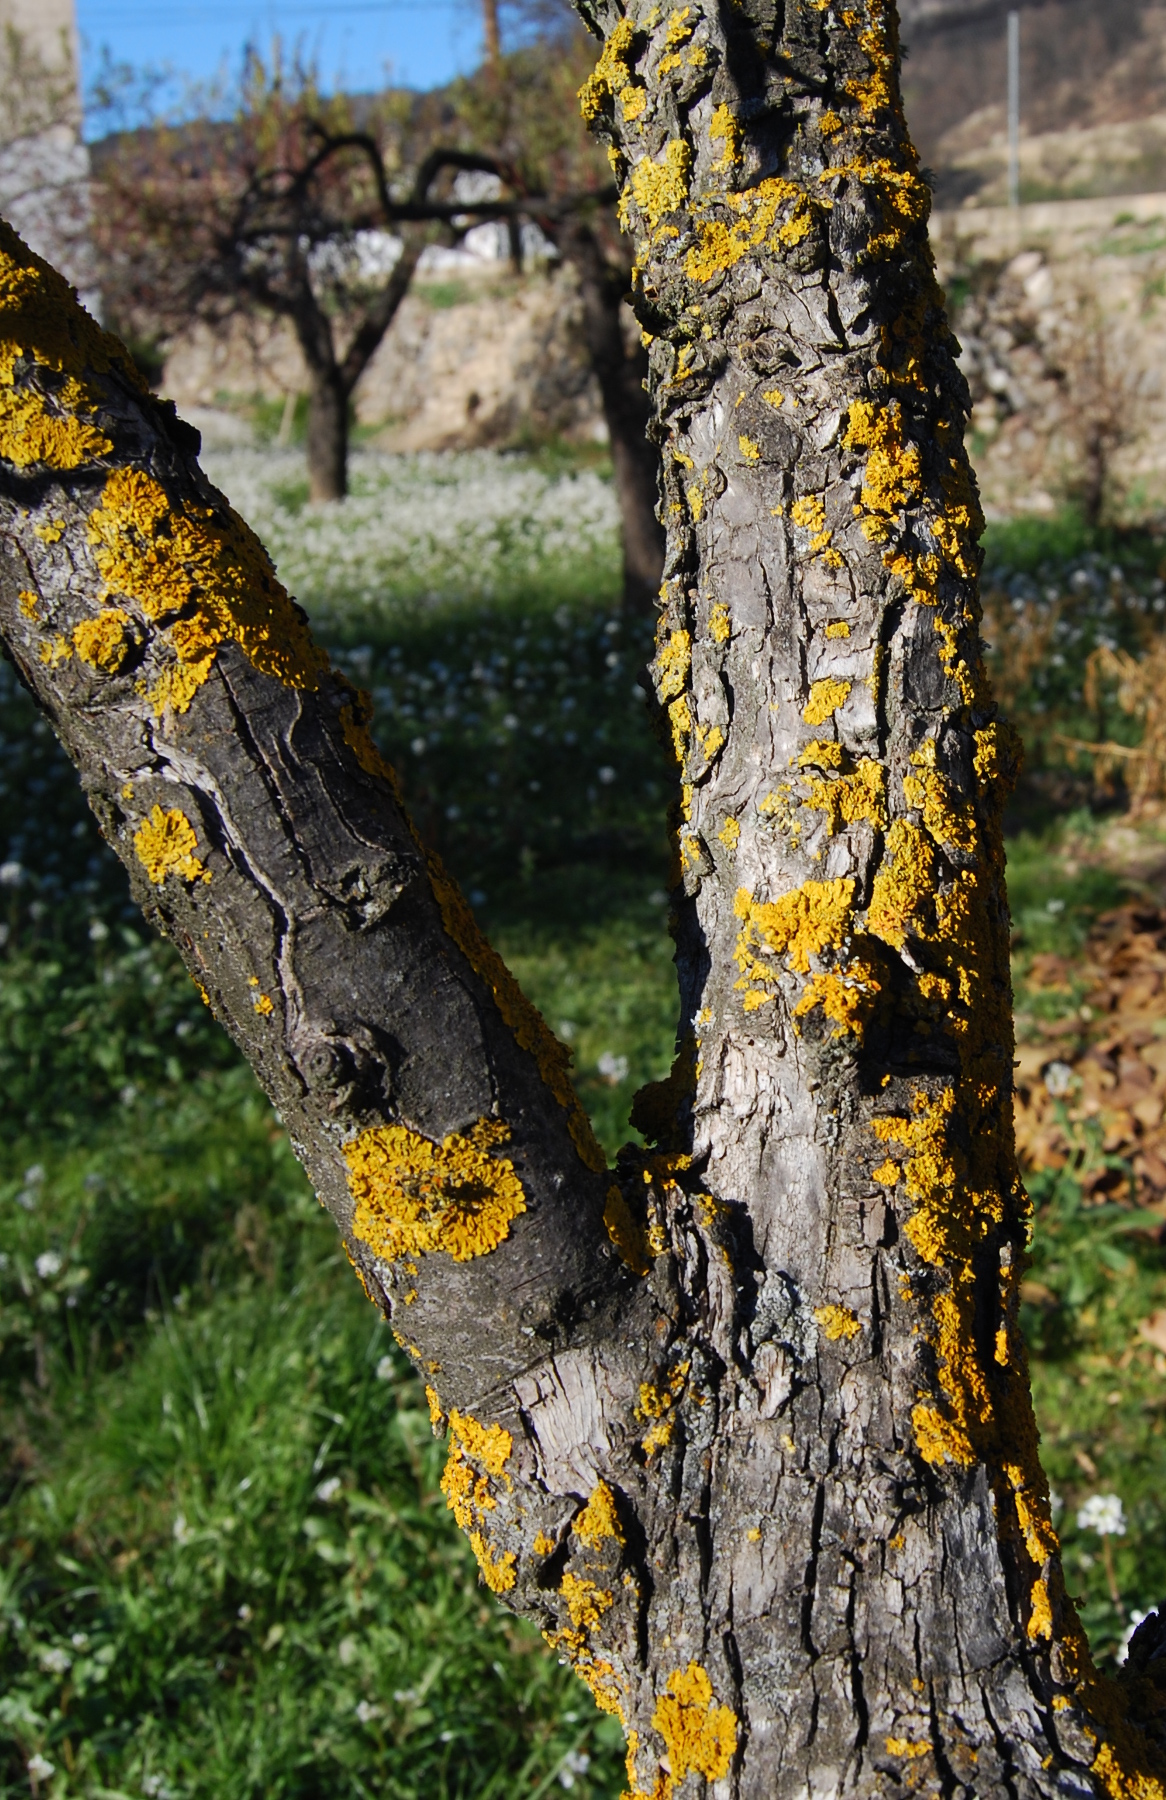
768	1476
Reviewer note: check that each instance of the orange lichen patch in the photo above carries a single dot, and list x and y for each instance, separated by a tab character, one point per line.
1122	1783
907	1748
497	1568
659	188
528	1025
850	799
586	1602
838	1322
825	698
722	243
810	513
720	625
847	996
102	642
938	1440
875	92
1040	1618
949	820
730	834
599	1521
544	1545
611	73
1033	1515
478	1454
436	1412
57	651
699	1734
354	722
892	479
838	628
904	885
749	450
175	558
628	1236
166	845
803	923
29	604
413	1195
887	1174
264	1005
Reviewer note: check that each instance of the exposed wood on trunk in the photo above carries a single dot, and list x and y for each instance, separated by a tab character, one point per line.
768	1477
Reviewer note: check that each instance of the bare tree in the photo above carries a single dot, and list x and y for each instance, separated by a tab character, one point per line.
744	1424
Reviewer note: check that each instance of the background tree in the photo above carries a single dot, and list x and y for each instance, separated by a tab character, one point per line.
524	111
745	1425
286	208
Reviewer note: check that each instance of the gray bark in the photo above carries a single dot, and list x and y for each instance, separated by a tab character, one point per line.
768	1477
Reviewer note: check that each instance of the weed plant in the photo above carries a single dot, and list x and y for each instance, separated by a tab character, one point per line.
227	1570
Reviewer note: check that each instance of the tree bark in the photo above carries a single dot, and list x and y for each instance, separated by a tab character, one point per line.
627	412
327	444
746	1427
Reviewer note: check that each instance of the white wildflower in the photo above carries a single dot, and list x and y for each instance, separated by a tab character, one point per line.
366	1711
55	1661
385	1370
48	1264
328	1490
1058	1077
613	1068
182	1531
40	1768
1103	1514
575	1763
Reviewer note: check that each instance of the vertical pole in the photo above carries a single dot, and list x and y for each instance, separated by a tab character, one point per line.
491	33
1014	109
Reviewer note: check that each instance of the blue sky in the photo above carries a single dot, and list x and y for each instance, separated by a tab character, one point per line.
415	42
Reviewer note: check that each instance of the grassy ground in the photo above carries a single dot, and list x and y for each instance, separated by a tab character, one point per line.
225	1567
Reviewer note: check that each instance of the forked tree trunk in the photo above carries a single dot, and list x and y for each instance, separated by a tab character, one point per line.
327	436
768	1476
627	413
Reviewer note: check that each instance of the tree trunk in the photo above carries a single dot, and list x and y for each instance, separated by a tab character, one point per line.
746	1426
627	411
327	436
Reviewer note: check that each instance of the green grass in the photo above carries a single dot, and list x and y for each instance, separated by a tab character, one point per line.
227	1569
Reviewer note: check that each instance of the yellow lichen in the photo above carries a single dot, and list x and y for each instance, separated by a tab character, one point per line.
57	651
29	604
838	628
724	129
413	1195
497	1568
699	1734
586	1602
673	660
810	513
166	845
907	1748
838	1322
611	73
659	188
850	799
205	579
436	1411
1040	1618
544	1545
626	1233
102	642
599	1520
826	697
749	450
892	479
803	923
846	996
722	243
264	1005
632	100
730	834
